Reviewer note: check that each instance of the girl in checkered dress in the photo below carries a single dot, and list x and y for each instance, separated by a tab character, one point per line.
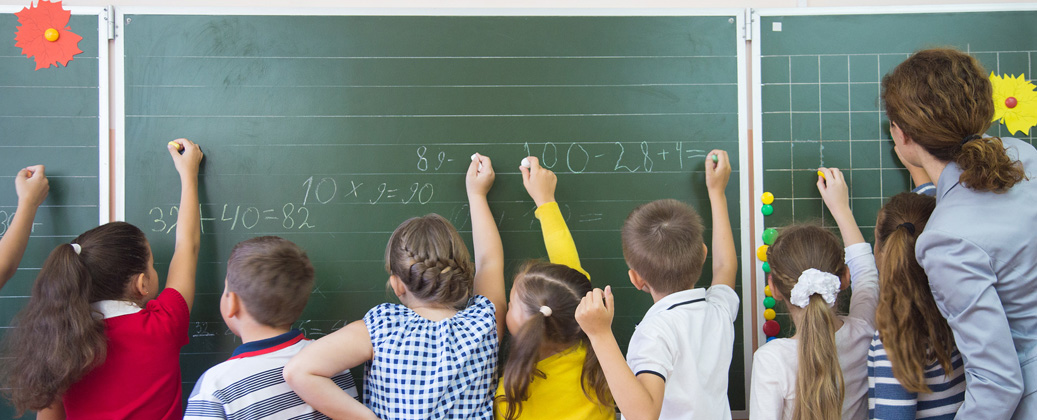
434	356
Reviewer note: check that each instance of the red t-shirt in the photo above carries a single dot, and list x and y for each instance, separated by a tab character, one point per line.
140	377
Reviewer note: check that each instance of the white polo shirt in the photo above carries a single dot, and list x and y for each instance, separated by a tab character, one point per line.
687	339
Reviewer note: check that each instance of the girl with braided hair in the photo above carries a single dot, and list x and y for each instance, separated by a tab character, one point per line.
434	355
551	370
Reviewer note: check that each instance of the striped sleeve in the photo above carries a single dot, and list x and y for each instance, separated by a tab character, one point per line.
202	404
888	400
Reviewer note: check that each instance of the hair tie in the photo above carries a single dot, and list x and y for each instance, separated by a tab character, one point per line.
970	137
909	226
811	282
546	311
76	247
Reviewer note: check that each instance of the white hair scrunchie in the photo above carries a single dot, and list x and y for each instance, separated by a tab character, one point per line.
814	281
546	310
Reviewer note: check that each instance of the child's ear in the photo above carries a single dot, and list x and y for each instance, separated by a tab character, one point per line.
705	252
233	305
638	282
140	284
774	290
397	286
844	279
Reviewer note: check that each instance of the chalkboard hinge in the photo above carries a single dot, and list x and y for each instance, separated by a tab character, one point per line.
109	17
747	25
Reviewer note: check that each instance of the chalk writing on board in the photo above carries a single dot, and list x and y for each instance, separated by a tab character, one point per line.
289	216
629	157
5	222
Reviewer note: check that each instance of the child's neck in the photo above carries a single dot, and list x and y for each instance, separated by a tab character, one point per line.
256	332
431	311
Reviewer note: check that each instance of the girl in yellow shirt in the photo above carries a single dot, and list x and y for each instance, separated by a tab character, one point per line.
551	371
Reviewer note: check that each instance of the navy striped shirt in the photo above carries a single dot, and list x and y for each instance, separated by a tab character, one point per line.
888	400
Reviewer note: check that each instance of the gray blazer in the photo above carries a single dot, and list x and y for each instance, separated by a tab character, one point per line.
979	250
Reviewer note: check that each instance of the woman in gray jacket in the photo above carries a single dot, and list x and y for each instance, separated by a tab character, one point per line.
979	248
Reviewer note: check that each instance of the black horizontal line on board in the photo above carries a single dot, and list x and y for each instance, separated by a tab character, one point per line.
438	86
435	115
502	57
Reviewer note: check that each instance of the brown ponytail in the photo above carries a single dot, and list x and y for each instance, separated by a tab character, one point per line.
560	288
819	379
56	338
913	331
940	97
430	258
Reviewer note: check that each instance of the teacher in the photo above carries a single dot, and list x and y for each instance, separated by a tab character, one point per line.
979	248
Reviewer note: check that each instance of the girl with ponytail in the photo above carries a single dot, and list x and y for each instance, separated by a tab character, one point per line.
551	370
978	246
821	372
434	355
914	369
94	341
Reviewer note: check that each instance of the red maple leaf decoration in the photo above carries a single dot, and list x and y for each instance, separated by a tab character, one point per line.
34	23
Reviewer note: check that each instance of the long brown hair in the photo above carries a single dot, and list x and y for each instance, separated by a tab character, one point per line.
560	288
57	338
819	380
913	331
428	255
941	97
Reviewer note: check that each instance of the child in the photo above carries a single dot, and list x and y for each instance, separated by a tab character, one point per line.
914	369
65	360
679	356
551	371
977	247
32	187
821	372
434	356
269	280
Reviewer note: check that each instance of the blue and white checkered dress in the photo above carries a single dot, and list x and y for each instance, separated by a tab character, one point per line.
432	370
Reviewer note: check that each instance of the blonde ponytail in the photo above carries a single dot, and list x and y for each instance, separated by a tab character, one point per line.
819	380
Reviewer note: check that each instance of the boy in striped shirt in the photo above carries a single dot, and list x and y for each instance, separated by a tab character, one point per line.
269	280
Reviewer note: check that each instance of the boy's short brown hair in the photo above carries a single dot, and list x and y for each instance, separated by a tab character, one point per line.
662	242
273	277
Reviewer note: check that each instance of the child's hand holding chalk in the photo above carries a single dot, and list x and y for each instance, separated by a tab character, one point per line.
539	182
32	186
179	147
480	176
187	156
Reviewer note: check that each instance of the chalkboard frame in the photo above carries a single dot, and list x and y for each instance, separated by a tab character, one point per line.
758	279
738	15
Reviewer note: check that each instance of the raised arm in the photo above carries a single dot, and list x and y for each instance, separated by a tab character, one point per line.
725	261
184	265
489	253
836	195
637	396
540	184
32	186
309	373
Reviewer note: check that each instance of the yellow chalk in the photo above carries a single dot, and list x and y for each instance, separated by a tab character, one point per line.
821	174
179	147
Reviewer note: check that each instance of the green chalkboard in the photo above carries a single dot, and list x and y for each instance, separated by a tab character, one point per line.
51	117
331	130
819	100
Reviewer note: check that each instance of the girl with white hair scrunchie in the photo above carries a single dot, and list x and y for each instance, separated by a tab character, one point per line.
821	371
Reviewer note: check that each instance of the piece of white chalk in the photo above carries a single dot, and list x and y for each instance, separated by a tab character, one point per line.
474	155
525	162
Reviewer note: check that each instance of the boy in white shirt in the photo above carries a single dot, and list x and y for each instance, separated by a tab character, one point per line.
680	354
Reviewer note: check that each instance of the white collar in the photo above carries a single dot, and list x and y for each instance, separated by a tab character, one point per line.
114	308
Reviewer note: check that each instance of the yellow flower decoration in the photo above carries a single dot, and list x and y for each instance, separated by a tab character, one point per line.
1015	102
